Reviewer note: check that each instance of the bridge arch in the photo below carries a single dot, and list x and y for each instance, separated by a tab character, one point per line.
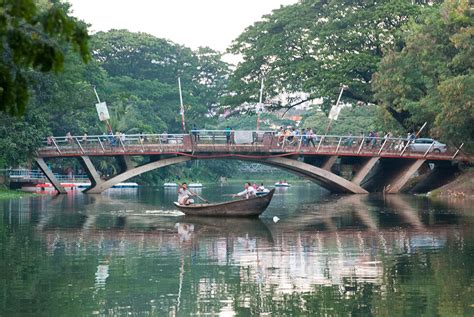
104	185
323	177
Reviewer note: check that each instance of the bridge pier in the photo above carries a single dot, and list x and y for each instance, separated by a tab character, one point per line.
91	171
401	178
49	175
364	169
329	162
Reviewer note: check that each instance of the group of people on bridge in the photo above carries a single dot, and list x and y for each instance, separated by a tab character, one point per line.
289	136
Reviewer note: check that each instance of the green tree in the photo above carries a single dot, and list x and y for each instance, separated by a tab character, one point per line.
431	78
148	68
356	120
20	137
314	46
33	36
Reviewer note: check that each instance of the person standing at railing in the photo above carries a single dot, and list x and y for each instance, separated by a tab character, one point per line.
194	134
368	140
111	139
349	140
310	134
304	137
69	137
164	137
117	137
280	136
49	141
228	132
84	138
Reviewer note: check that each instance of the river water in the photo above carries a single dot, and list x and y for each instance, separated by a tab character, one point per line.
128	252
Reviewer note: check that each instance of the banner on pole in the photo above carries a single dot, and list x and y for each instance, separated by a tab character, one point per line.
334	113
102	111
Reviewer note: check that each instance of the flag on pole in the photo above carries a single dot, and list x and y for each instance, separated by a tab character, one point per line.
182	106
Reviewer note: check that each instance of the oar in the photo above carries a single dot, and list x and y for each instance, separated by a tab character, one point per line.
205	200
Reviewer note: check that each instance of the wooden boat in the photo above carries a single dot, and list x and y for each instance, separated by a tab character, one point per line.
262	192
251	207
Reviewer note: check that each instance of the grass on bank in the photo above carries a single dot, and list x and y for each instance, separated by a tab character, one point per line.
6	193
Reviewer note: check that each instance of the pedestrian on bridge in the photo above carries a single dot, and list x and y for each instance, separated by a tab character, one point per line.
310	134
69	137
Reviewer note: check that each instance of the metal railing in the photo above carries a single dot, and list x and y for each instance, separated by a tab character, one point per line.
27	174
246	141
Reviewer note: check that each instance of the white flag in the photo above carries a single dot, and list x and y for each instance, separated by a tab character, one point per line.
102	111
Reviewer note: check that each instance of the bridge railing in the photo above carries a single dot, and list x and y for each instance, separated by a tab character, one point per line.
22	174
246	141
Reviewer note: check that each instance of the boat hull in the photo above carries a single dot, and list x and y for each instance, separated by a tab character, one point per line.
251	207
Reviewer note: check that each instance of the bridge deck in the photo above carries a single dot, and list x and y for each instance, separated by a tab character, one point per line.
261	146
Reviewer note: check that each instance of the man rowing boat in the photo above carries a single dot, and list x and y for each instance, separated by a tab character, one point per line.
184	194
248	192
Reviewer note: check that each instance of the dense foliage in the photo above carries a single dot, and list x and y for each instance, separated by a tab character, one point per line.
431	79
315	46
34	35
357	120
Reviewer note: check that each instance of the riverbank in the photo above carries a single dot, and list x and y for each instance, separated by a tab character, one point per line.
12	194
461	187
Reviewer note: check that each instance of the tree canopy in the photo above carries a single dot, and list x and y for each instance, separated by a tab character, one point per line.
34	35
314	46
431	79
148	68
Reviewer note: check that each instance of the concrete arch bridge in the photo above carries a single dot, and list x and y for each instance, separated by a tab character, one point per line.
343	164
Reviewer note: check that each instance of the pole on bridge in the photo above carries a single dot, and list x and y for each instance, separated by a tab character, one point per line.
107	124
260	106
334	110
421	129
182	105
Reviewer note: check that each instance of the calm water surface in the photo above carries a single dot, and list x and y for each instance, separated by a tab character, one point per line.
128	252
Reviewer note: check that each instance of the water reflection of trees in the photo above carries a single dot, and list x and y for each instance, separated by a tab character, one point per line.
344	257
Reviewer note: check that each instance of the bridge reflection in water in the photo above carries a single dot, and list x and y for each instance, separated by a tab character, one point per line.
346	244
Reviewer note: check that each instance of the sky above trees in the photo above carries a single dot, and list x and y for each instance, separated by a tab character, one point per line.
213	23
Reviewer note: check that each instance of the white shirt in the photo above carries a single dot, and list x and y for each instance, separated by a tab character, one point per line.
249	192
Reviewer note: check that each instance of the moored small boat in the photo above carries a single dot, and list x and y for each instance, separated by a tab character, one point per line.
251	207
262	192
195	185
170	185
281	184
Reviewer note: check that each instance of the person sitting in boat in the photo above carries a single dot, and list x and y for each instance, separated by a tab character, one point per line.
248	192
184	195
261	188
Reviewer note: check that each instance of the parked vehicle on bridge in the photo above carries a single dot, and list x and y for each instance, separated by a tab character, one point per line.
423	144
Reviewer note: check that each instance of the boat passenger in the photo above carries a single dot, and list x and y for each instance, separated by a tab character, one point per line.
248	192
184	194
261	188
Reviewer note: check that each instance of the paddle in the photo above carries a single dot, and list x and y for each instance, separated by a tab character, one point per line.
204	200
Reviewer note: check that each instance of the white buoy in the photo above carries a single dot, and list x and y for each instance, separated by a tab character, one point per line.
275	219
